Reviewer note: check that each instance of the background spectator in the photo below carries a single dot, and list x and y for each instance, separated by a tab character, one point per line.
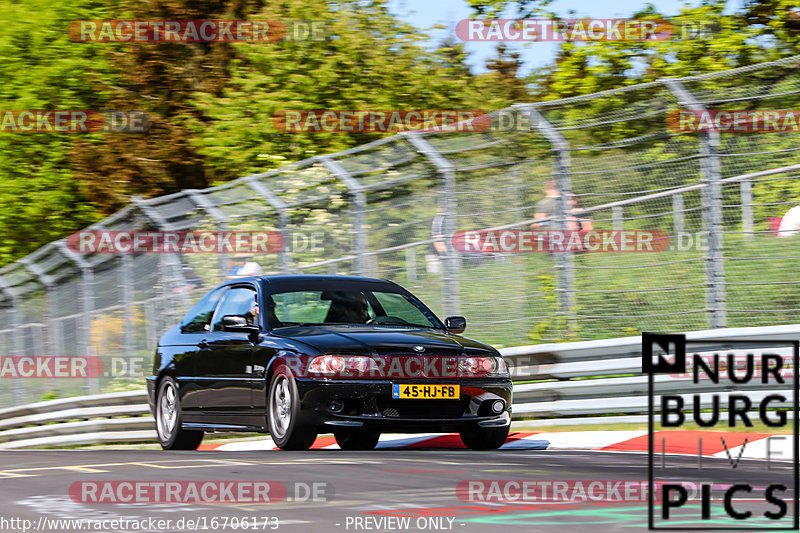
578	222
546	207
790	223
244	267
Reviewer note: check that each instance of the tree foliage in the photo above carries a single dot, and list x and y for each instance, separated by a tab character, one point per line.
212	104
40	197
371	61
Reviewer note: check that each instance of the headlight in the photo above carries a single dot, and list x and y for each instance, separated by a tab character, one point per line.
339	366
490	367
354	366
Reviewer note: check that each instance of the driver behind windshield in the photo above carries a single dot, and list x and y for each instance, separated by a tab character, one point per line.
348	308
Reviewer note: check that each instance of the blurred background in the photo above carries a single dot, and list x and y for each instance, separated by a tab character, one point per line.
588	119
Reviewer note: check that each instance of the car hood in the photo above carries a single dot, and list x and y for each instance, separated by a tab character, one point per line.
381	340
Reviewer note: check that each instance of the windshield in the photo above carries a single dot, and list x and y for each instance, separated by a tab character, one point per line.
350	306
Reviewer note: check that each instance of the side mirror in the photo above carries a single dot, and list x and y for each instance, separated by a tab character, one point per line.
238	323
455	324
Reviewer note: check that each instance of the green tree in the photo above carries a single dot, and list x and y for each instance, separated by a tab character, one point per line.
503	85
370	61
158	78
40	198
210	104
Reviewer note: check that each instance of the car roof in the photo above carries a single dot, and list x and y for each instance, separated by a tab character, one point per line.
282	278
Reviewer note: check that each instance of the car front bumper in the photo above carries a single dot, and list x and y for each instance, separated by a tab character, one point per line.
328	404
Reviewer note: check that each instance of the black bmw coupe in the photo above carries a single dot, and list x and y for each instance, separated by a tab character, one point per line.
296	356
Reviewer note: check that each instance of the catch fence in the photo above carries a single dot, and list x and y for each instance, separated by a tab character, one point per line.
388	209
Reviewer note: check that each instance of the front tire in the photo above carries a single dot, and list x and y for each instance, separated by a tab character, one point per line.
356	439
168	419
283	417
478	438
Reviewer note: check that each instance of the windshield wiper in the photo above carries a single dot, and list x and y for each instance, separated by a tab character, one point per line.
404	326
300	325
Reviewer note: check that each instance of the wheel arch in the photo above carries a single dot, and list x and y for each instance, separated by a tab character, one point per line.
164	373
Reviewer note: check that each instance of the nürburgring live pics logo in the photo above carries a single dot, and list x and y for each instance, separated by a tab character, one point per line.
726	388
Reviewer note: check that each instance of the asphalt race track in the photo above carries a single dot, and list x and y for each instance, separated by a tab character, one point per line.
363	491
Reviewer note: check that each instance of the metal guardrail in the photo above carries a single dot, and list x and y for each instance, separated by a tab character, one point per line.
83	420
557	398
545	387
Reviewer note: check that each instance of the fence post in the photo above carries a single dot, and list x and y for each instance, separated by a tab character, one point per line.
18	346
411	264
564	261
49	284
206	205
87	307
447	184
126	273
284	260
677	214
617	217
359	210
171	268
746	190
710	169
87	302
54	332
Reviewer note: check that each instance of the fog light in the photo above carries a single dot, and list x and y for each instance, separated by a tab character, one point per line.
498	406
336	406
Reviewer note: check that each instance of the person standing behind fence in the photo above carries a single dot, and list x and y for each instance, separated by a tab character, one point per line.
546	207
245	267
790	223
578	222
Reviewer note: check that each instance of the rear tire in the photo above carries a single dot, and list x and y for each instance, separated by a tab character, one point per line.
478	438
283	413
169	417
357	439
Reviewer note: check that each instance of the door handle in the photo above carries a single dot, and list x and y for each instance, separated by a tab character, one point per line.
203	344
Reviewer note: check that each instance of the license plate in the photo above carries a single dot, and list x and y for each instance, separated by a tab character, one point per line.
425	392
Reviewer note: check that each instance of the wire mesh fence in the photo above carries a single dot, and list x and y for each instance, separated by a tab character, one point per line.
603	162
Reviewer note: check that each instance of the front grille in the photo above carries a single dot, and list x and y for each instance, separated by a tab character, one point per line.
423	409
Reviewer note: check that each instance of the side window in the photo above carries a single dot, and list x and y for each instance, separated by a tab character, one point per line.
300	306
199	316
237	301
